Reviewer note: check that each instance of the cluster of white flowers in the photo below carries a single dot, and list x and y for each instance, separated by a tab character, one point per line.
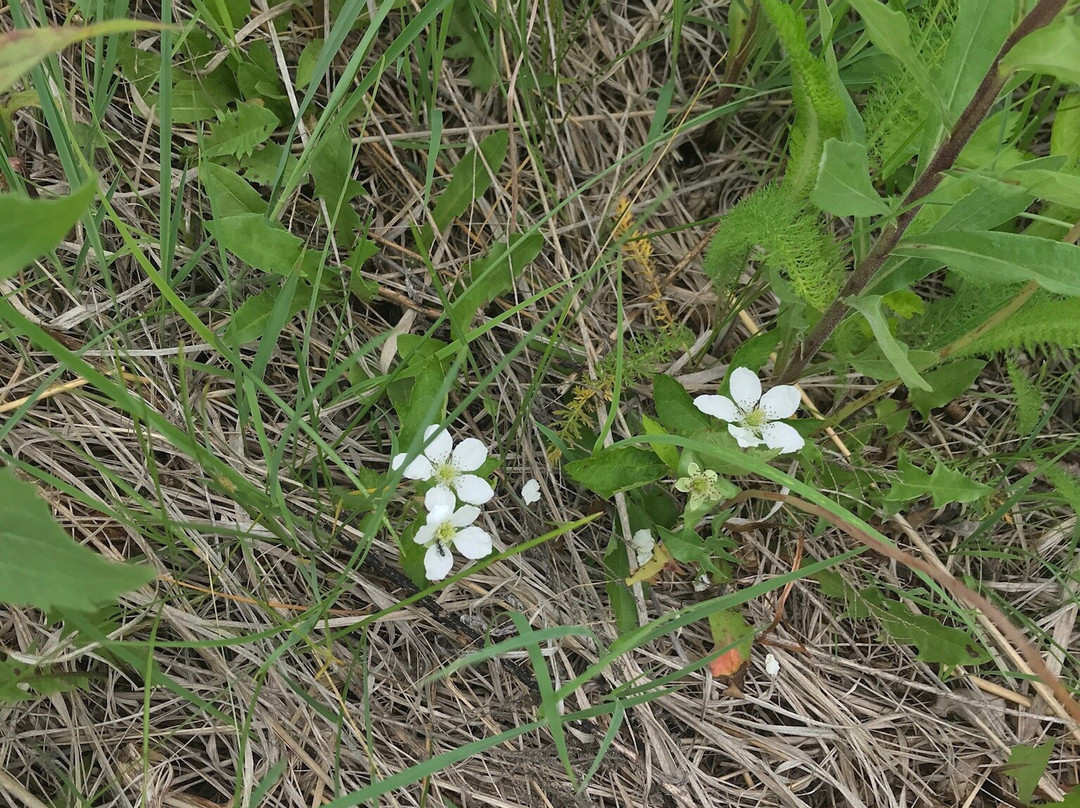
450	468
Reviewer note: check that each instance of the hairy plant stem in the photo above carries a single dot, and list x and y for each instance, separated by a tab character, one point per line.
944	159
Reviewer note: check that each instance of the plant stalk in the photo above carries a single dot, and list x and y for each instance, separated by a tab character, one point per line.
944	158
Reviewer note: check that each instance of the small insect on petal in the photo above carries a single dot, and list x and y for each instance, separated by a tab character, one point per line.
530	492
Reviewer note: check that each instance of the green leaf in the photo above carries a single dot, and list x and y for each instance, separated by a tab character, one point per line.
305	65
997	257
948	381
675	408
258	242
1027	764
980	29
733	639
42	567
895	351
22	49
665	451
22	682
1065	132
843	182
251	320
623	604
238	132
945	485
935	643
30	228
229	195
331	170
1061	186
1053	50
889	30
470	179
493	275
612	470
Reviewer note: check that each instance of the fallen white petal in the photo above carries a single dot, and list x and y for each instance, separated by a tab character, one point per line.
530	492
772	665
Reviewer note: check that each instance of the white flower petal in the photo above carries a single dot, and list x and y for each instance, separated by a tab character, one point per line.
465	515
772	665
439	502
469	455
782	436
425	535
438	450
472	489
419	469
643	541
472	542
780	402
745	388
530	492
720	407
437	562
745	437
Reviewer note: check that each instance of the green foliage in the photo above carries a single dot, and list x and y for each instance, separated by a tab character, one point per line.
945	485
1066	484
935	642
42	567
1029	399
240	131
946	383
30	228
616	469
1027	764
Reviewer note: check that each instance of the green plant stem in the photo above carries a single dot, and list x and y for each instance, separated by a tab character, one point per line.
944	159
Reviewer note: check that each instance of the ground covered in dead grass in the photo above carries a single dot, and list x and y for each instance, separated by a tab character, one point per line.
272	684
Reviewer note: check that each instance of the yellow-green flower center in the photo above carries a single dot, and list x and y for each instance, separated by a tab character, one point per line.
445	473
755	419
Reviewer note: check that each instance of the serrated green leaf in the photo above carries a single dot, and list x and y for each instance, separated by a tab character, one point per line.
618	469
30	228
1027	764
948	381
998	257
240	131
331	168
1053	50
843	182
945	485
935	643
42	567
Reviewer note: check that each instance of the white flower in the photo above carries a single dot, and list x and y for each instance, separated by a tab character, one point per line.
772	666
448	466
530	492
752	417
446	528
643	545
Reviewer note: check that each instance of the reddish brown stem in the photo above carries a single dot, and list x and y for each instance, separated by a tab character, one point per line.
944	159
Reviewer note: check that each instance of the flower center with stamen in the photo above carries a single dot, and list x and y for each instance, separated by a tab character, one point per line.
445	474
444	533
755	419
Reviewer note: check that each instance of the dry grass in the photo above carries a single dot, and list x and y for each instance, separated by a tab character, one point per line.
272	634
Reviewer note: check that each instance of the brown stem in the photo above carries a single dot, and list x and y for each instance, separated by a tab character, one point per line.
944	159
954	587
